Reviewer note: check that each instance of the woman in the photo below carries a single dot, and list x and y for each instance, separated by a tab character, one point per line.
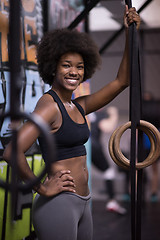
65	59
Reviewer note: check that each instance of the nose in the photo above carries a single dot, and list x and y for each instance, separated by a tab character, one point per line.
73	71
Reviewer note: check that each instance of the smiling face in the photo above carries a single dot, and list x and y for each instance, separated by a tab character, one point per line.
70	71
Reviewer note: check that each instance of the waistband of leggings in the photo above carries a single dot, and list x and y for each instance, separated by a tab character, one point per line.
86	198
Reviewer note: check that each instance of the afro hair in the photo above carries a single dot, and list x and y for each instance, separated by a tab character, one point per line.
56	43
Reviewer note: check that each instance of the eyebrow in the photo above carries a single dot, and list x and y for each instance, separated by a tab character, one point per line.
70	62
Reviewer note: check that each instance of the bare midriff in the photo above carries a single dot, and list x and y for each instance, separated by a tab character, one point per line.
79	172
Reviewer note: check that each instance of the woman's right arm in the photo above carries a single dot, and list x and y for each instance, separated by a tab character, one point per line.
27	135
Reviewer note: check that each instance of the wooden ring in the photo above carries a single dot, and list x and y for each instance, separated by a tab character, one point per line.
148	161
111	151
154	137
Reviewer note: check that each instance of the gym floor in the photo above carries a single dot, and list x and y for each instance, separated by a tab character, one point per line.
113	226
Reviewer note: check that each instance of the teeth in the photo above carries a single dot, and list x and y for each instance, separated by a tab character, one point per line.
72	81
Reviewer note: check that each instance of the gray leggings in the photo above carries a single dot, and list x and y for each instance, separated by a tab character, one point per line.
66	216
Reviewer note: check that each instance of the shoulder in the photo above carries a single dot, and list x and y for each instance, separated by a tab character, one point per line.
47	108
82	102
45	100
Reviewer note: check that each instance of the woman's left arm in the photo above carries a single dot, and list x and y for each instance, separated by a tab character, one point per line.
102	97
130	16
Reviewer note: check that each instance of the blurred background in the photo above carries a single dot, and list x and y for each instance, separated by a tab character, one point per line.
110	184
149	37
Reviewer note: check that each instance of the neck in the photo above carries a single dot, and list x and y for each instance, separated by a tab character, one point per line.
64	95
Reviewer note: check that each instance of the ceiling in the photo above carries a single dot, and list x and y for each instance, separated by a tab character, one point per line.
108	14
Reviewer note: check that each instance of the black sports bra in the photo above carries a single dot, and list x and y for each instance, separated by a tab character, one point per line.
71	136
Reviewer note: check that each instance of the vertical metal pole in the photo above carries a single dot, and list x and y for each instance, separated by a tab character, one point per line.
15	87
14	56
135	115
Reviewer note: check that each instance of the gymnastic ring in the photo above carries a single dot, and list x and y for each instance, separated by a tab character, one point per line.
154	137
120	156
111	151
117	159
154	152
44	129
